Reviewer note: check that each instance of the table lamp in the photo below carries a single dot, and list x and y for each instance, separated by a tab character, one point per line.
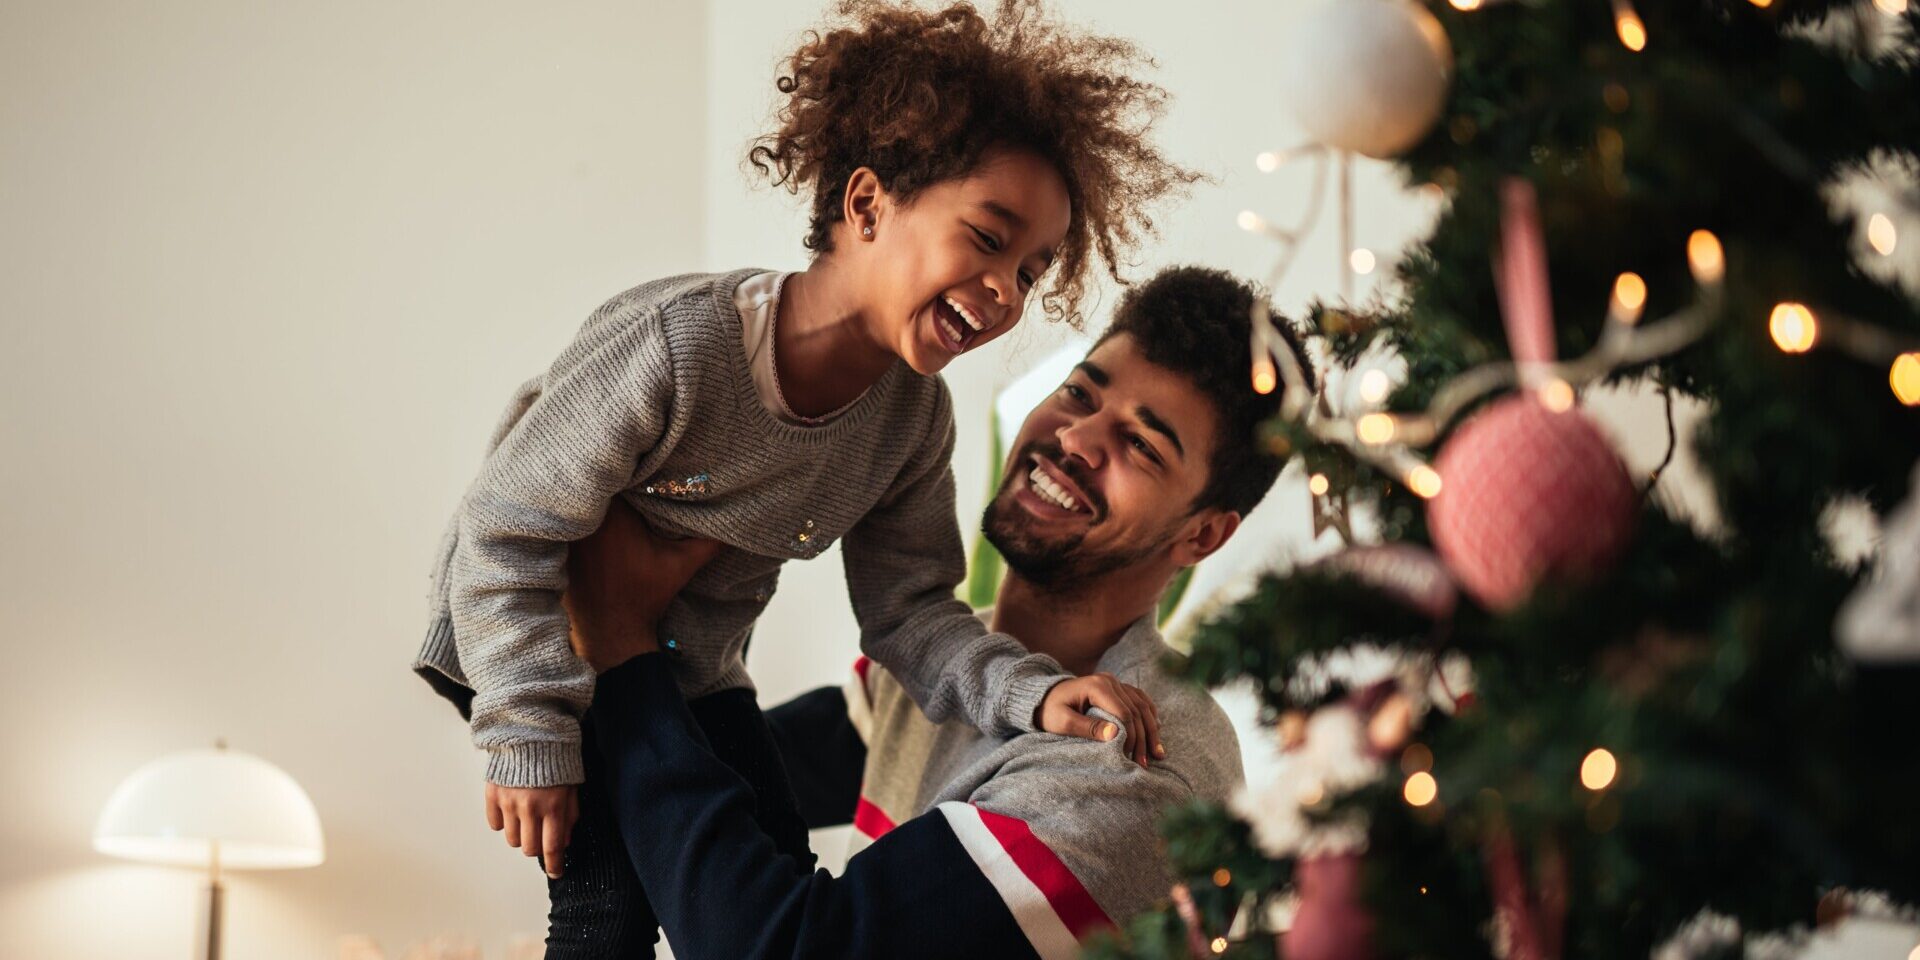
214	809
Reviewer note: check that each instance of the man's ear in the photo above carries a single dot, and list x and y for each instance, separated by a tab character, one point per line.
1210	531
863	202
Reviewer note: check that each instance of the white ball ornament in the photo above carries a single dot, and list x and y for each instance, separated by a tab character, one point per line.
1369	76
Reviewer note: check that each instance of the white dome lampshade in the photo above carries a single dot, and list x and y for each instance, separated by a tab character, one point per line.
176	809
212	809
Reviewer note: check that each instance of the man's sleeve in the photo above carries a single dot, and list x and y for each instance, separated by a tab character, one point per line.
903	561
1068	833
823	751
602	406
723	892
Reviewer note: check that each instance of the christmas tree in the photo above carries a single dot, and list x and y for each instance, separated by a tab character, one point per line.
1548	716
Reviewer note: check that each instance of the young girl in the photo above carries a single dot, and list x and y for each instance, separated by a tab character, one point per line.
953	165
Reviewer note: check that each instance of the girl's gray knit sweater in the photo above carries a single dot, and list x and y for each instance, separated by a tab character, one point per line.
654	402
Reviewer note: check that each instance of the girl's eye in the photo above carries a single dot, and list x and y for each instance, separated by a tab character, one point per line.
1026	279
993	246
1076	393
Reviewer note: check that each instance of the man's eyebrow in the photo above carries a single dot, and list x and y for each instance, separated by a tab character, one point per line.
1093	372
1154	423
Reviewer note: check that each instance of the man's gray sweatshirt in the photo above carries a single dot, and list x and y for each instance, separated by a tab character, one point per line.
654	402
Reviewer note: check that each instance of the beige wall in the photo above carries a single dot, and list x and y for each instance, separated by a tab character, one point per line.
267	273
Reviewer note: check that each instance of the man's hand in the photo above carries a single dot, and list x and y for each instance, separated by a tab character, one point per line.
538	820
619	582
1064	711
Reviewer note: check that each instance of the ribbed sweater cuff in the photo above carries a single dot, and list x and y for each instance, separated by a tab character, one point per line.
539	763
1034	677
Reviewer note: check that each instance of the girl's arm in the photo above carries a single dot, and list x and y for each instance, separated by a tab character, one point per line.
601	406
903	561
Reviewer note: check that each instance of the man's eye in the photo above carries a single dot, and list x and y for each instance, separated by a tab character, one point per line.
1145	448
1075	392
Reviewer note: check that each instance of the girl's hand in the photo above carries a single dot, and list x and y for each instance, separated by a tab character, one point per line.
1064	711
538	820
619	582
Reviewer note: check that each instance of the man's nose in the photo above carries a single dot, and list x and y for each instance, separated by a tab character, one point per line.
1080	439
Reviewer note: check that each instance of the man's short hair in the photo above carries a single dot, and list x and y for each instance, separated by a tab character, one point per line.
1197	322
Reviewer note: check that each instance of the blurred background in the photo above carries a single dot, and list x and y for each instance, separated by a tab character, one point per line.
268	273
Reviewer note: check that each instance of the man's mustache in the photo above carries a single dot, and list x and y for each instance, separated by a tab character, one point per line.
1074	470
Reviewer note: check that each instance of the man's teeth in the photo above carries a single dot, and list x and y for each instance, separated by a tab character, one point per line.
1049	491
953	332
965	314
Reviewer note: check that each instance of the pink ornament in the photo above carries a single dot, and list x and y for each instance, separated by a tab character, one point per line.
1330	923
1529	494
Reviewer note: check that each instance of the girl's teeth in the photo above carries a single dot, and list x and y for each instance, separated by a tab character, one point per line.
971	320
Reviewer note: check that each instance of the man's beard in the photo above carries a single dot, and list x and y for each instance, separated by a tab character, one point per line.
1050	564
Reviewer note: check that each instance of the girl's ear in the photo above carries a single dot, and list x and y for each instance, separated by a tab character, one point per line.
862	204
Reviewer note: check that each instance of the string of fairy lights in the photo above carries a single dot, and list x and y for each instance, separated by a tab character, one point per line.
1387	440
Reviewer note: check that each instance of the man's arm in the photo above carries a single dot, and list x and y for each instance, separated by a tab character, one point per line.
824	753
721	889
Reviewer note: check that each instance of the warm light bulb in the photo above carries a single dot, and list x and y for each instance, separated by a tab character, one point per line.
1557	395
1264	376
1633	33
1892	8
1915	955
1222	877
1318	485
1629	298
1793	327
1361	260
1375	385
1424	481
1881	235
1250	221
1763	4
1312	794
1598	769
1374	428
1465	4
1421	789
1269	161
1704	255
1219	944
1905	378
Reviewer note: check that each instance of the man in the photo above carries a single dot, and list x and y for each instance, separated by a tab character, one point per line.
1140	465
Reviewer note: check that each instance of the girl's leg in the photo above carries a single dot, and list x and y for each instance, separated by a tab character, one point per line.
597	910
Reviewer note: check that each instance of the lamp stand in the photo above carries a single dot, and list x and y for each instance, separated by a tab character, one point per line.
216	893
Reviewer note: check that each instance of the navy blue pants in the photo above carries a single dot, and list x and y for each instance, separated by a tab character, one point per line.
597	909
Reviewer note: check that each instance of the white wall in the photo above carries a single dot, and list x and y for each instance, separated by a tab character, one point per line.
267	274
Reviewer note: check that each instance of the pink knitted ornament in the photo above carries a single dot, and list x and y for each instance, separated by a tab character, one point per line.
1530	494
1330	923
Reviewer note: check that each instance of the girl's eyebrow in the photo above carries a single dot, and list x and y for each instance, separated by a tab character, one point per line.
1017	222
1000	210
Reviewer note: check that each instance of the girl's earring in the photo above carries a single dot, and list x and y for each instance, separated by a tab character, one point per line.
866	232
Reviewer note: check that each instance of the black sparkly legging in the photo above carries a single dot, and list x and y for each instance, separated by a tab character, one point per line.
597	909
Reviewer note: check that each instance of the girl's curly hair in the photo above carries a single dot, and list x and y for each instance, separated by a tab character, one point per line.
919	96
